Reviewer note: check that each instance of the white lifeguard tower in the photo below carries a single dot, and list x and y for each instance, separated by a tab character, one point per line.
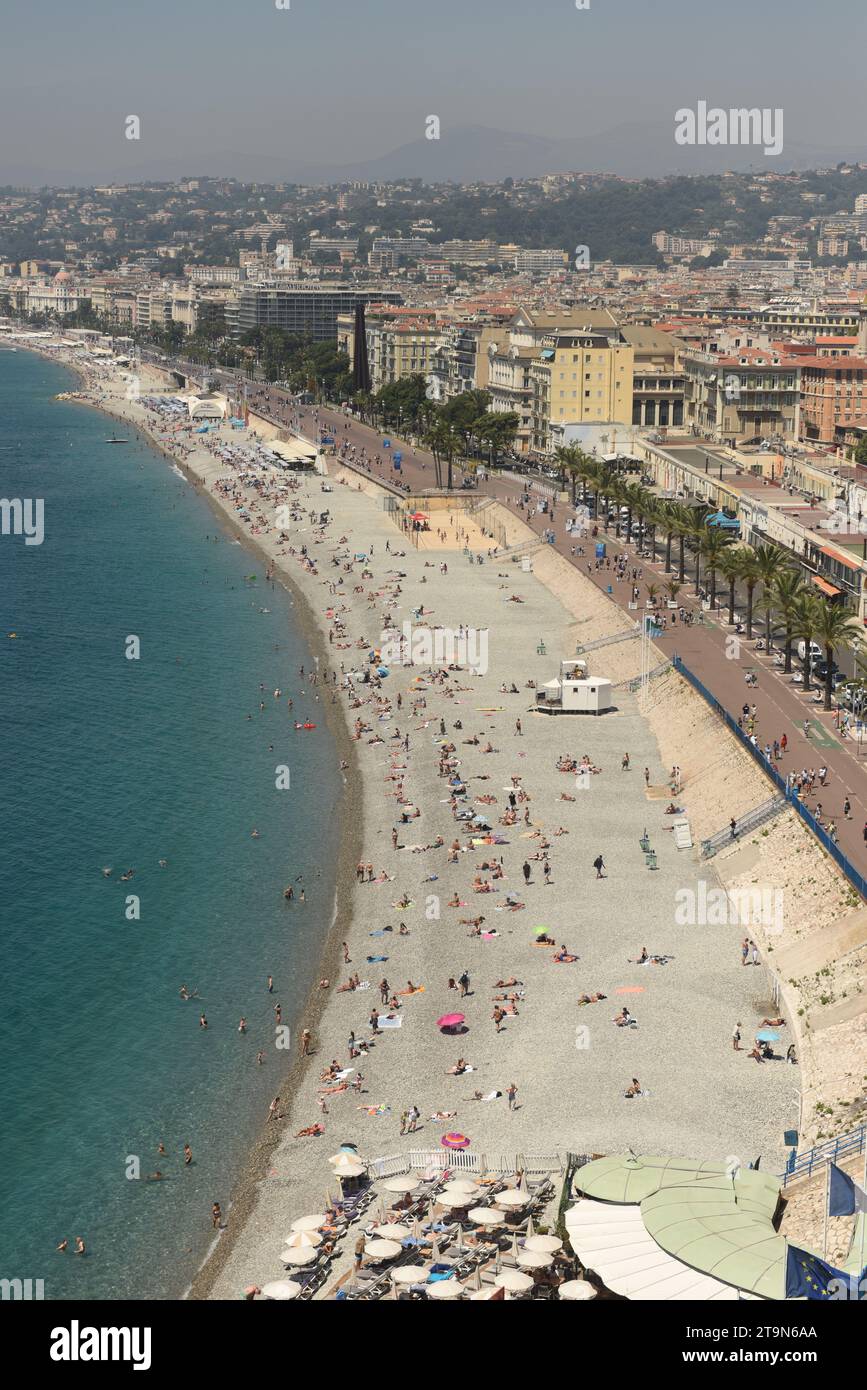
575	691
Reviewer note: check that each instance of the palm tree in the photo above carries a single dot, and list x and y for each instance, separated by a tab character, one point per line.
730	568
751	574
668	520
772	562
639	501
713	547
672	588
836	630
653	593
655	519
787	588
682	518
805	618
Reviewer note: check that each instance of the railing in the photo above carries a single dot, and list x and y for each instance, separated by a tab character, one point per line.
751	820
608	641
858	881
421	1159
847	1145
637	681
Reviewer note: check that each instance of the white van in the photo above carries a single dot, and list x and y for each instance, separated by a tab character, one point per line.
815	650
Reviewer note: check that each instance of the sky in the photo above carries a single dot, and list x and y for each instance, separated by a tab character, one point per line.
335	81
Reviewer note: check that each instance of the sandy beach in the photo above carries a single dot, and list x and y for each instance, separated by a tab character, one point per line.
403	738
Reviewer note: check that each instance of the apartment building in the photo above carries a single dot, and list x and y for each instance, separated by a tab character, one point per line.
736	399
833	396
302	307
581	378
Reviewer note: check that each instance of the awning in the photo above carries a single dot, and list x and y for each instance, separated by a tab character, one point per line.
612	1240
825	587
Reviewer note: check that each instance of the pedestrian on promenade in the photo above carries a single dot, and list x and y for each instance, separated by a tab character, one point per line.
784	743
806	728
847	809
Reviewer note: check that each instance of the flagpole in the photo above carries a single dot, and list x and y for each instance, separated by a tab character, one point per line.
863	1213
827	1204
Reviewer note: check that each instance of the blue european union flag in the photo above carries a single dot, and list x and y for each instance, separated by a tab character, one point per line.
808	1277
845	1195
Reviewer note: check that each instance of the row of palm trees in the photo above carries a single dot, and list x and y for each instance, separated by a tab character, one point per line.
771	577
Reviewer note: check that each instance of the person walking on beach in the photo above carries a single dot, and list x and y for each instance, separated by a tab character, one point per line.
599	865
383	990
518	730
273	1108
512	1094
216	1216
745	950
733	828
736	1038
498	1015
647	776
754	953
464	982
305	1042
526	871
624	763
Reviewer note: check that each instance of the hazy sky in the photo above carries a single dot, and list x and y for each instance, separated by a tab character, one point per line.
340	80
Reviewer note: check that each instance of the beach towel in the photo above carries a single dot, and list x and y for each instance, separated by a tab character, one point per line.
629	989
372	959
386	1021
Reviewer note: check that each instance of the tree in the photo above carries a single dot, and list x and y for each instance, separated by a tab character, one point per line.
860	455
772	562
786	590
713	546
837	631
730	568
805	617
750	573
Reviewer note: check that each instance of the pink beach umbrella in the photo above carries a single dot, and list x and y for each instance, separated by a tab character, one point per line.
452	1140
450	1021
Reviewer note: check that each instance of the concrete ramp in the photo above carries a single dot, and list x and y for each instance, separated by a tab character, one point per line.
823	948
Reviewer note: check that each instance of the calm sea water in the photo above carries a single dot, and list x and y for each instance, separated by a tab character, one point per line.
113	762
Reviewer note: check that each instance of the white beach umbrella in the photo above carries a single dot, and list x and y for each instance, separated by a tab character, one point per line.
309	1223
511	1198
281	1290
294	1256
483	1295
548	1245
445	1288
386	1230
455	1200
534	1259
462	1185
382	1249
485	1216
410	1274
343	1160
349	1170
576	1290
515	1244
531	1229
303	1240
403	1183
513	1280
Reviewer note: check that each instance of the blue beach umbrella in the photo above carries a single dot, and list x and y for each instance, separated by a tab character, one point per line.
768	1035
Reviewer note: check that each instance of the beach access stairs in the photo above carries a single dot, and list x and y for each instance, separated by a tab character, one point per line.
744	825
609	641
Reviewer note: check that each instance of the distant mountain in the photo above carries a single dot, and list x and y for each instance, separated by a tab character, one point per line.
471	154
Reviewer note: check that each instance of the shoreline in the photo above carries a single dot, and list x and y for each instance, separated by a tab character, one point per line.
569	594
350	835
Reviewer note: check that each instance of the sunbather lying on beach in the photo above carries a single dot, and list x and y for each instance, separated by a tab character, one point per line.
563	957
316	1129
773	1023
505	984
591	998
444	1114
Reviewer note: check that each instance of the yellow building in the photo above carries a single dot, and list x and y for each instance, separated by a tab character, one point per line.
581	378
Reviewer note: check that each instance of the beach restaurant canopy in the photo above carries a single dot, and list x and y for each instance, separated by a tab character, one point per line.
208	406
293	453
663	1228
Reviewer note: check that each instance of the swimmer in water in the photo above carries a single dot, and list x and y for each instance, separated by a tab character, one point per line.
254	834
107	873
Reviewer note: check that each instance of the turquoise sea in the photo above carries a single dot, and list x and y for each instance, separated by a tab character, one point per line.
123	763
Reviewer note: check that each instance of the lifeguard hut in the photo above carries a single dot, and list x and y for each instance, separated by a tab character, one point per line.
575	691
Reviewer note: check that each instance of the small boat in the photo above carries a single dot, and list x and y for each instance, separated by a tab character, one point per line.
115	440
